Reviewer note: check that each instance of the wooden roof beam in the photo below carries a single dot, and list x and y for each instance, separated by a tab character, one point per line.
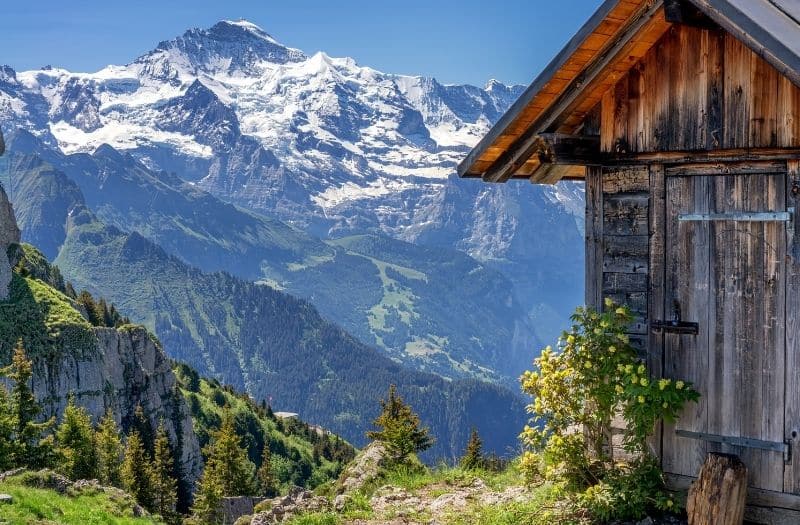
518	153
686	13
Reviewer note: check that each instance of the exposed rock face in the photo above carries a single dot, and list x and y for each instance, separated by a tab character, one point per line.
365	467
127	368
297	501
9	234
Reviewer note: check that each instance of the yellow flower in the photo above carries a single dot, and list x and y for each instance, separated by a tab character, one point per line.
619	389
612	349
570	339
621	311
620	368
663	383
628	369
604	324
634	380
641	399
664	404
587	364
623	338
670	503
642	369
609	302
679	385
643	382
597	331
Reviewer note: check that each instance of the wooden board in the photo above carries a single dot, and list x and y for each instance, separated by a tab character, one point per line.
698	90
792	411
730	277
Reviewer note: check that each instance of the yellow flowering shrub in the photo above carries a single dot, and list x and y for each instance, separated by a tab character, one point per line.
577	388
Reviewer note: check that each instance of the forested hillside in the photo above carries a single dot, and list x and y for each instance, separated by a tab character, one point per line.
274	346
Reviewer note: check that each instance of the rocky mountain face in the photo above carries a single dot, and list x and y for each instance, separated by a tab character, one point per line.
125	369
9	235
321	143
104	368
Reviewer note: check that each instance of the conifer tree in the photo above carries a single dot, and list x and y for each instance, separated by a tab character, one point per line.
228	472
141	424
165	487
473	455
7	445
206	508
136	472
109	450
75	443
31	449
266	479
227	458
400	428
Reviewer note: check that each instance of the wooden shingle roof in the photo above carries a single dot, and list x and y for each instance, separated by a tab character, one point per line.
617	36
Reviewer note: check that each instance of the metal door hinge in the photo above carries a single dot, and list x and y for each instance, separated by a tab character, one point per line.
783	447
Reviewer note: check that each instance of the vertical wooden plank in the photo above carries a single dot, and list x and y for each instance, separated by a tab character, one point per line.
792	369
714	80
788	114
635	127
737	94
655	307
746	391
649	96
661	100
594	237
621	116
763	103
607	121
686	283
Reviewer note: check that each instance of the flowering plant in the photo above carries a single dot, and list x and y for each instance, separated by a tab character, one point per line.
579	387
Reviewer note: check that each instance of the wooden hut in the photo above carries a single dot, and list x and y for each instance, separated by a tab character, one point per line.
683	118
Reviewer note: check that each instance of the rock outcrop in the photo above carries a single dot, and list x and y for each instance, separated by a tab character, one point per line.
9	234
297	501
127	368
366	467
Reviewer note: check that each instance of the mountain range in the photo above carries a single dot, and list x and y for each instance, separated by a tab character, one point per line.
223	150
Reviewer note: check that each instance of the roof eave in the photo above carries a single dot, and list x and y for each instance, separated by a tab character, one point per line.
522	102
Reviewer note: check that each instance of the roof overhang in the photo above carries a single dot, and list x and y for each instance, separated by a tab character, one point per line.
560	100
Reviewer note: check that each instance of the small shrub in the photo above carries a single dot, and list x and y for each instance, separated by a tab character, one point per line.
593	375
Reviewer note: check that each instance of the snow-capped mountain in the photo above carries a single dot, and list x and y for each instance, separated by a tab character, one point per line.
321	143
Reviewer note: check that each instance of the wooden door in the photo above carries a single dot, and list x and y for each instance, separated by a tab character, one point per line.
725	269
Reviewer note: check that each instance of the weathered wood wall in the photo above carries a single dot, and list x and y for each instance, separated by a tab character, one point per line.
618	232
700	89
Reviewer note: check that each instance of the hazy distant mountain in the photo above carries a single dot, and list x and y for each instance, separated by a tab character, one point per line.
333	149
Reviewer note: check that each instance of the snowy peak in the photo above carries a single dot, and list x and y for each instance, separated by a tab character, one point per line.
229	47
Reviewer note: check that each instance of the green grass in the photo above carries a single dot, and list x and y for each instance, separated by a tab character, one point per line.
84	507
315	518
44	318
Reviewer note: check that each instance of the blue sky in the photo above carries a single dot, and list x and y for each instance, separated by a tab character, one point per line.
457	41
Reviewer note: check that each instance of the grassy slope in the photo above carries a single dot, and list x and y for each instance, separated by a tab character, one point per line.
76	507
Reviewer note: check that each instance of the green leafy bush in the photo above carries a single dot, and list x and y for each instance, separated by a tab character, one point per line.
594	375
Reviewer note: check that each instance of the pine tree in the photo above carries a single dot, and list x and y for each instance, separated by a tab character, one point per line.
75	443
266	479
31	449
473	455
136	473
141	424
165	487
206	508
228	472
400	428
7	445
109	450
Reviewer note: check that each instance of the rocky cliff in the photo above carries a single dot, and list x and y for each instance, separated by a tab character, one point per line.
9	234
104	368
125	369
